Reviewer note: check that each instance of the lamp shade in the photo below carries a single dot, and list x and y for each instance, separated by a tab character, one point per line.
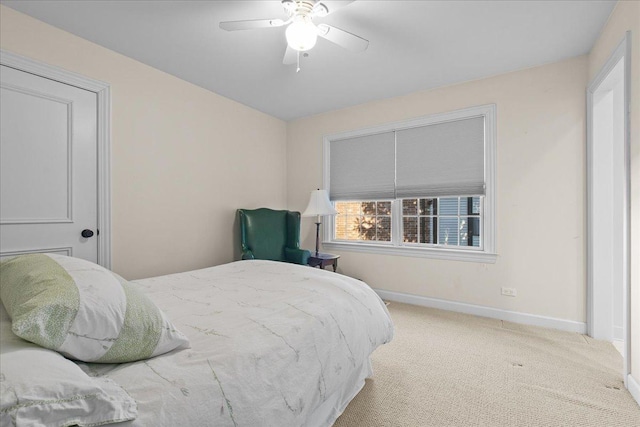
319	204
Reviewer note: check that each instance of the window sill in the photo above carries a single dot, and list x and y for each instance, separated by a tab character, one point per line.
447	254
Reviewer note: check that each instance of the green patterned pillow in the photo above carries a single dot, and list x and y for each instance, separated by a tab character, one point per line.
40	387
83	310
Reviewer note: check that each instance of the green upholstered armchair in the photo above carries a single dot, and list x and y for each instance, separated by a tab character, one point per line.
271	235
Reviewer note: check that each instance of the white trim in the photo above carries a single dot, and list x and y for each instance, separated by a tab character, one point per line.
413	251
104	177
619	345
52	72
35	221
479	310
488	252
103	92
67	249
618	333
634	387
622	51
489	212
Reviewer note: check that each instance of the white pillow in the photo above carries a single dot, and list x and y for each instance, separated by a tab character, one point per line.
39	387
83	310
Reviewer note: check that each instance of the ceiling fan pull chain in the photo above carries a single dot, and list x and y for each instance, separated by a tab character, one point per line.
298	69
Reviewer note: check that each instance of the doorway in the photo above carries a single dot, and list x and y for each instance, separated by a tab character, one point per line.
608	183
48	167
101	98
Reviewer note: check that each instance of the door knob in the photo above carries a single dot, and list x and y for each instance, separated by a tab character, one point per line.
86	233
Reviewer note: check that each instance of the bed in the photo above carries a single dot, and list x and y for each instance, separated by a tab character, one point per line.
272	344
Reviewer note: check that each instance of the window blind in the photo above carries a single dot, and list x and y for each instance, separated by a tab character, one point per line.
363	168
443	159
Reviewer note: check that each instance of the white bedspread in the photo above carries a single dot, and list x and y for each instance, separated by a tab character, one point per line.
271	342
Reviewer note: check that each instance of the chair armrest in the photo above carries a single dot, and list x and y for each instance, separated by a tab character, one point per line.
297	256
247	254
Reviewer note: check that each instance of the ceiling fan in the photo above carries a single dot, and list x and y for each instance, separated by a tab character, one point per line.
301	32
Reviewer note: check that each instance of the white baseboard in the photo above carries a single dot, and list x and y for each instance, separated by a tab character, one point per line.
634	388
618	333
619	345
478	310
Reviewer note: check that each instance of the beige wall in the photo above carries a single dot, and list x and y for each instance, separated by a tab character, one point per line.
540	191
625	17
183	158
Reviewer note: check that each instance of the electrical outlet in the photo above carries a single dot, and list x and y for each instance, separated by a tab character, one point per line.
510	292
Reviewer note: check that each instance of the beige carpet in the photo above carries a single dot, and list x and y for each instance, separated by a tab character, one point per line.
451	369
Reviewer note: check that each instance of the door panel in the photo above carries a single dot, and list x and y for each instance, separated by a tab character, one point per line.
44	122
48	166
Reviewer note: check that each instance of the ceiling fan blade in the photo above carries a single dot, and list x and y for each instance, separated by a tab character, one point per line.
343	38
251	24
327	7
290	56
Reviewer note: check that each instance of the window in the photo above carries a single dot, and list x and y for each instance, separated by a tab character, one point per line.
362	221
448	221
419	188
445	221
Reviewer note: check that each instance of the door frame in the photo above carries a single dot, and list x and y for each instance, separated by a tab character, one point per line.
103	92
622	52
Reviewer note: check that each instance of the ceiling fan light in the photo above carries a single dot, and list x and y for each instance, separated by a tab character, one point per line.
301	35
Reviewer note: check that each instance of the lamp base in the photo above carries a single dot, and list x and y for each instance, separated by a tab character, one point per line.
317	238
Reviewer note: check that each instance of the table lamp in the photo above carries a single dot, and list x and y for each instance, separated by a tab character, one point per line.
319	205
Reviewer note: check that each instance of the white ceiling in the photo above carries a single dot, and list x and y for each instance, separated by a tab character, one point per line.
414	45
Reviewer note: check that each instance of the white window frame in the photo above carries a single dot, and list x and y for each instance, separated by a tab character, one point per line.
400	239
487	254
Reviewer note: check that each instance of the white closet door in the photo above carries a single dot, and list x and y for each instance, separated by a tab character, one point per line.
48	166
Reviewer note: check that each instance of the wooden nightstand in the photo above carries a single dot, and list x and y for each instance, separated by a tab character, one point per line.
322	260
